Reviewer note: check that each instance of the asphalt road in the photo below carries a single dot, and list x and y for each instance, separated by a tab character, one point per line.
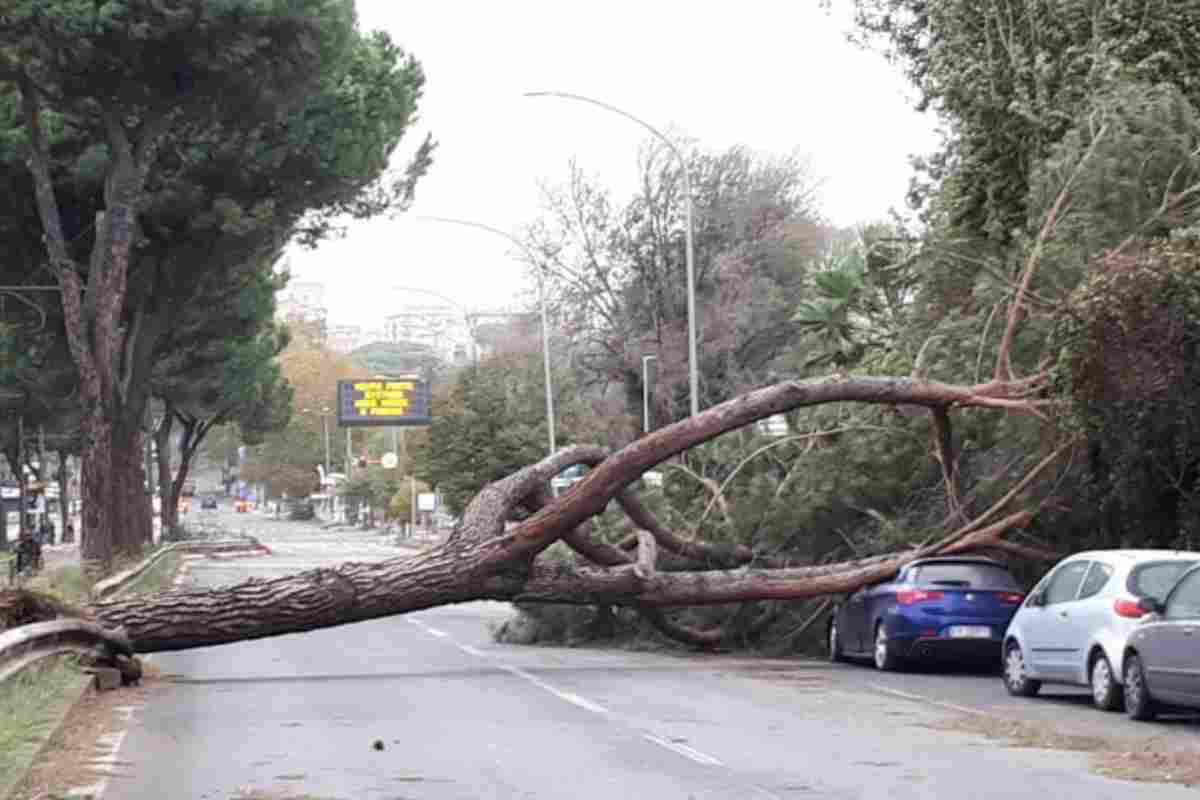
461	717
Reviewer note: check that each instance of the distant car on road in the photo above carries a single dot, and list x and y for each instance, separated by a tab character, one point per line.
936	608
209	503
1162	659
1075	626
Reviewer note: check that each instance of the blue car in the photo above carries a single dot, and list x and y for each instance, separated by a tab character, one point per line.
936	608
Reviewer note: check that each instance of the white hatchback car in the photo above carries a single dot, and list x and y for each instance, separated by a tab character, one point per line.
1073	626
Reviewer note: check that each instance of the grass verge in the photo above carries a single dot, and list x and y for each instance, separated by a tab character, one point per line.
72	586
156	579
32	706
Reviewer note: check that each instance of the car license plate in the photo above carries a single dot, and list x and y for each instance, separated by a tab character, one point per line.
970	632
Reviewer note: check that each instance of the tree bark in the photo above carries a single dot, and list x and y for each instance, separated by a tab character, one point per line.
95	530
132	510
64	497
92	315
168	502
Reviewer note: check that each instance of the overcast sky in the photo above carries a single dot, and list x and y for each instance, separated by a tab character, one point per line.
777	77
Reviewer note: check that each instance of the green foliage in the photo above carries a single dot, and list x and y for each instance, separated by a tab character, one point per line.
489	424
400	505
1130	366
858	301
395	358
374	486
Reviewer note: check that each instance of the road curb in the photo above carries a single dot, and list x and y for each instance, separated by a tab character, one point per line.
110	588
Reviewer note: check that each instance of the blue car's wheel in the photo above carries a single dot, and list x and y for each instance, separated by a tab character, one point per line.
885	652
835	643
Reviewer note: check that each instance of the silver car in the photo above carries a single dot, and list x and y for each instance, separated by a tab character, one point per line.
1074	626
1162	659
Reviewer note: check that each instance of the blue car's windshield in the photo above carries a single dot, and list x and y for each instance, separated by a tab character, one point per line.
965	575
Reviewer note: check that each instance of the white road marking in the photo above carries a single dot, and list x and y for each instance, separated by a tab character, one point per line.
690	753
923	699
683	750
429	629
106	761
570	697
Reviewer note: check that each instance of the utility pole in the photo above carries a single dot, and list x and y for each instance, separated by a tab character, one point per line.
689	255
325	429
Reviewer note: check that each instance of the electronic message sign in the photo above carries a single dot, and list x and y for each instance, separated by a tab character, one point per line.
383	401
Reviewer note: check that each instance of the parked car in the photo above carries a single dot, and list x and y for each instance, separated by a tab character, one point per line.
1075	624
1162	659
209	503
241	506
948	607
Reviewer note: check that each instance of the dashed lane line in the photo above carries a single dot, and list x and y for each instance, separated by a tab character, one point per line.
683	750
690	753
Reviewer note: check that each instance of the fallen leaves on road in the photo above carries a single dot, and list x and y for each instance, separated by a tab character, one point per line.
1159	760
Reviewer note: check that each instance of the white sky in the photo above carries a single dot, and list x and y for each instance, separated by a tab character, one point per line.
775	76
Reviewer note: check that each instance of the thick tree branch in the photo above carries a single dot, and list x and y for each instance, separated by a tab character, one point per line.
944	443
1016	309
703	552
61	264
618	471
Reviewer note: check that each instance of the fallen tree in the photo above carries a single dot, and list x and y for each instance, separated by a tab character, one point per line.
487	559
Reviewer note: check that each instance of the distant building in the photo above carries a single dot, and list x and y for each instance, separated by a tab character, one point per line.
441	328
302	305
343	338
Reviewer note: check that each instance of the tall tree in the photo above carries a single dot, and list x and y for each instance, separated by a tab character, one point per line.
244	386
1010	78
152	99
617	272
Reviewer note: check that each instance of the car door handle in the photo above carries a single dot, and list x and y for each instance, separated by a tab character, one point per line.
1063	614
1188	631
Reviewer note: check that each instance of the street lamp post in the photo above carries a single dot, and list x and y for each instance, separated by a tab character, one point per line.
646	392
541	301
693	373
325	430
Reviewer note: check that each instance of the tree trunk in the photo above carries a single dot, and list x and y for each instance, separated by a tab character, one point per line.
95	530
167	499
64	497
133	512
